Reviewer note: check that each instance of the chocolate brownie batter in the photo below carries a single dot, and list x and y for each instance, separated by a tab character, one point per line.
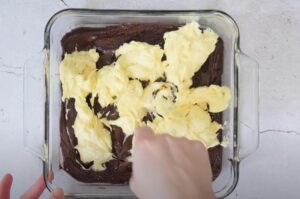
106	41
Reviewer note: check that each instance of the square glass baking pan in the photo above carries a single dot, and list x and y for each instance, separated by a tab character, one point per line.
42	96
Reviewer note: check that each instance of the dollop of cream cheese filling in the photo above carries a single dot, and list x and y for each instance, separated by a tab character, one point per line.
186	50
178	109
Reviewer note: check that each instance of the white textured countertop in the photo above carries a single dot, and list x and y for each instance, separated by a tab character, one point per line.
269	33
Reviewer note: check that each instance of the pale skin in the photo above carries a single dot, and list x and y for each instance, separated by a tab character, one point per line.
164	167
33	192
169	168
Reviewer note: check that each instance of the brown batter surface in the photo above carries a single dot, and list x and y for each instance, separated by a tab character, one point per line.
106	41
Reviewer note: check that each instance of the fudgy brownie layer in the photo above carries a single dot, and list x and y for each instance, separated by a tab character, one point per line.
106	40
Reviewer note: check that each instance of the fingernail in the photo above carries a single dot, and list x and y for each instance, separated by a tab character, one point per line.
8	177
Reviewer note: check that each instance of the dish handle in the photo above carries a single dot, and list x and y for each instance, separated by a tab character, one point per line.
248	104
34	101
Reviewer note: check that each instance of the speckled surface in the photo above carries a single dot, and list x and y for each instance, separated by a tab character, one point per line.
269	33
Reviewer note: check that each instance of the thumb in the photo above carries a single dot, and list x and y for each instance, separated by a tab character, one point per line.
57	193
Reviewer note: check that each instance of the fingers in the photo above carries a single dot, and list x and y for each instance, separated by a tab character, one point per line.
137	189
57	193
143	133
133	186
36	190
5	186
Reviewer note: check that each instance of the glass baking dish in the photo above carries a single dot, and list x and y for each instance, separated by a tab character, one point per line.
42	95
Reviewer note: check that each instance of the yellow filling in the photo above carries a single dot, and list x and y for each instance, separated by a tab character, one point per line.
141	60
178	110
187	49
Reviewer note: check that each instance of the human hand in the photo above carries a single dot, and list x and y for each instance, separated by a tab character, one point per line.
34	192
5	185
167	167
